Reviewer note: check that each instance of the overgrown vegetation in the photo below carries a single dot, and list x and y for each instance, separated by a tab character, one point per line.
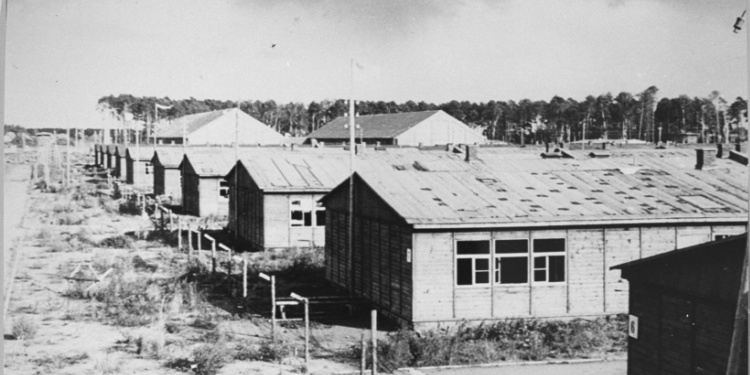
511	340
295	263
24	328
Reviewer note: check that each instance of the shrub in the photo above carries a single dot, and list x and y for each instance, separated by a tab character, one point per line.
117	242
24	328
70	218
209	358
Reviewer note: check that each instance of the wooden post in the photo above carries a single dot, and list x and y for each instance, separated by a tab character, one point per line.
162	219
179	234
199	239
190	238
170	220
213	257
363	361
229	264
273	308
307	332
244	278
374	323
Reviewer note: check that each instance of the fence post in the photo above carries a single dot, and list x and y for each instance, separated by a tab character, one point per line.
213	256
244	278
170	220
273	308
190	238
161	212
179	234
199	239
374	323
363	360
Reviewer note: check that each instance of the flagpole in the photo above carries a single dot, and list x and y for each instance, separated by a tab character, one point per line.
352	154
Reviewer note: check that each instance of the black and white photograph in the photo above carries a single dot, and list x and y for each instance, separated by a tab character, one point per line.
411	187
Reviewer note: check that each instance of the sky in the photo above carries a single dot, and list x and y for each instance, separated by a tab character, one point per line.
63	55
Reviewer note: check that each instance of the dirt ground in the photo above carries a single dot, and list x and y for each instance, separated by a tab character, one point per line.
72	335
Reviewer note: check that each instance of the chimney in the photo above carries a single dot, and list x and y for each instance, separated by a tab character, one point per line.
471	153
737	147
705	158
604	145
291	146
321	144
546	147
449	147
719	150
420	145
562	145
377	144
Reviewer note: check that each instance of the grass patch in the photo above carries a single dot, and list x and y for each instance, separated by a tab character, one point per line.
510	340
301	264
59	361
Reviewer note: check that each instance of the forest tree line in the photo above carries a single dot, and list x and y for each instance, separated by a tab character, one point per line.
641	115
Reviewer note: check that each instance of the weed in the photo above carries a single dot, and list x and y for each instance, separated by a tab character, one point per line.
59	361
107	365
24	328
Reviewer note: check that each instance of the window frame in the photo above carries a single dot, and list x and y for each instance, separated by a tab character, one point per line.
547	255
474	258
497	257
222	187
318	207
305	207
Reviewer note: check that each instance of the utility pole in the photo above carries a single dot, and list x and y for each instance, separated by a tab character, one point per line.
352	153
67	157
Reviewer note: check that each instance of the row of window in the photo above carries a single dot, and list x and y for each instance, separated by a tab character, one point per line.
511	261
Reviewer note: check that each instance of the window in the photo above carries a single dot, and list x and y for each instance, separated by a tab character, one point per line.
301	213
224	189
549	260
147	169
721	236
472	262
512	261
320	214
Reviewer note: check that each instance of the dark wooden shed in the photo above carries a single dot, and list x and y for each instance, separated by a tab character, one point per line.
167	177
682	309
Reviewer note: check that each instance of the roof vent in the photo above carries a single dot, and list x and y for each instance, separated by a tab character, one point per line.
595	154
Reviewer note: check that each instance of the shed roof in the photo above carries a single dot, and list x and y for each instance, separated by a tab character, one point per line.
713	246
168	156
191	122
321	169
373	126
141	153
563	191
218	161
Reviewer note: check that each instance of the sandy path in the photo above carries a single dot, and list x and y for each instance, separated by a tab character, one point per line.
14	207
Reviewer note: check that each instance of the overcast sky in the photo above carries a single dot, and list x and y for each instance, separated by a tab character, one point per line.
62	55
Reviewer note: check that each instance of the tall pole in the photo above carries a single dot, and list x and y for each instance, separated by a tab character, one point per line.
352	153
156	121
236	189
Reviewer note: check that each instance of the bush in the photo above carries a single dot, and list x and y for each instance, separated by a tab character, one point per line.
24	328
117	242
70	218
209	358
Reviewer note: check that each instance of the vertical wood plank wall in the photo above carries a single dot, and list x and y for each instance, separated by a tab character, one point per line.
590	287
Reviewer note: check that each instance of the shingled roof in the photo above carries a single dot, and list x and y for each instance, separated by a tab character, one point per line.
373	126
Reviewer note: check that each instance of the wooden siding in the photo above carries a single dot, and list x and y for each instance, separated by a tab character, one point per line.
190	190
158	179
248	221
381	271
138	169
590	287
211	203
679	333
